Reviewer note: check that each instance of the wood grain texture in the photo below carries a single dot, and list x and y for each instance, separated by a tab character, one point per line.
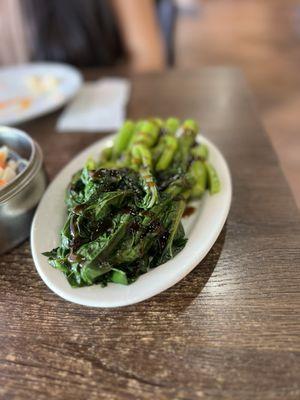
229	330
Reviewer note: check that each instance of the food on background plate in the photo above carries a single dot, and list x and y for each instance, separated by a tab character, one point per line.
11	164
39	84
16	103
124	210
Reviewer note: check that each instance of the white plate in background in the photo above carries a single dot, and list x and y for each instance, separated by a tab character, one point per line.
20	102
202	229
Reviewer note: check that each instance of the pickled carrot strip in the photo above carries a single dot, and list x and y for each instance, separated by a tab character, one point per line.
2	160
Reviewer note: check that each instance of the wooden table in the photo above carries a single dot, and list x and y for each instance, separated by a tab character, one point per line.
229	330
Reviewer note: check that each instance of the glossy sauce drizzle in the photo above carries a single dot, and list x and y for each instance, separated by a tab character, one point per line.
188	211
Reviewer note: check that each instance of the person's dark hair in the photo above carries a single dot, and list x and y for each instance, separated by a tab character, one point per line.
79	32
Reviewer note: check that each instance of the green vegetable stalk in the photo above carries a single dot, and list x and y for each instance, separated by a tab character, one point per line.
122	139
142	161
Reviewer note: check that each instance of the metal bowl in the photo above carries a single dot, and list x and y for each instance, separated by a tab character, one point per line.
19	197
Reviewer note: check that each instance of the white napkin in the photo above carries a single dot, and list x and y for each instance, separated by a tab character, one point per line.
99	106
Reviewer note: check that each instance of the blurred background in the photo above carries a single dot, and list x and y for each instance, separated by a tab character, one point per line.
261	37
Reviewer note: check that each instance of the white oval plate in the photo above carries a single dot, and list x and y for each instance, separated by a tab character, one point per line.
14	85
202	228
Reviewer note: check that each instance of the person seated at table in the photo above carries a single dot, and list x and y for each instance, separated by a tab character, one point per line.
88	32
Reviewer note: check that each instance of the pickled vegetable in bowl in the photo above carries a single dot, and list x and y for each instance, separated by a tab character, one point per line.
11	164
